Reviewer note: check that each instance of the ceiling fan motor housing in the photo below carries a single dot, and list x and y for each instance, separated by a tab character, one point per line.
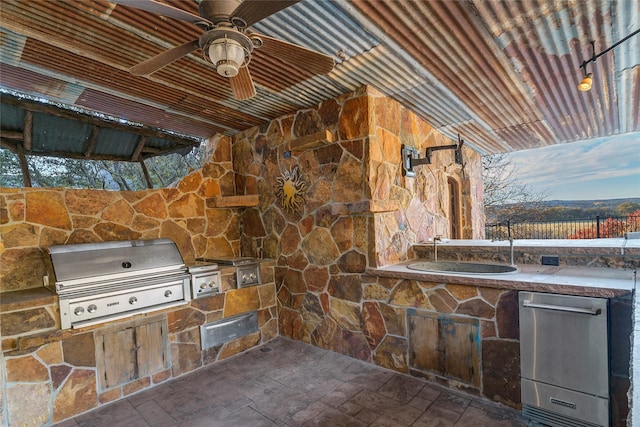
219	11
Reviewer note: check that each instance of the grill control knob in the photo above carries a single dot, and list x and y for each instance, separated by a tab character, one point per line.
79	311
133	300
92	308
167	293
203	286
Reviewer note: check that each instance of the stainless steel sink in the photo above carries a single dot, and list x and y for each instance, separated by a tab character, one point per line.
461	267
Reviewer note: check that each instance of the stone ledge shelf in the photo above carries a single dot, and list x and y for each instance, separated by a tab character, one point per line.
236	201
309	142
26	312
26	298
366	206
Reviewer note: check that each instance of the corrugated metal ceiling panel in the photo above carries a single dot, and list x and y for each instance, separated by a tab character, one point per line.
129	110
115	142
12	118
70	135
71	132
546	42
500	73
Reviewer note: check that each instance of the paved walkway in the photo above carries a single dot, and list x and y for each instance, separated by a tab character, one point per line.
289	383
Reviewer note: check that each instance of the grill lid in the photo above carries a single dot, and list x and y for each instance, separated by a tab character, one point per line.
91	261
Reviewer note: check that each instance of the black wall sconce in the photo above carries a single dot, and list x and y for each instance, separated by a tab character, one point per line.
411	156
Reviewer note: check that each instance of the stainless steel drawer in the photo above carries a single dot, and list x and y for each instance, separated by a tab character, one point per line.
221	331
581	409
564	341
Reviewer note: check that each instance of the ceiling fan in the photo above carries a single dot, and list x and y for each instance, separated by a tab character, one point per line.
227	41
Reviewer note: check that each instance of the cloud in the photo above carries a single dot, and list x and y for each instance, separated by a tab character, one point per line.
581	164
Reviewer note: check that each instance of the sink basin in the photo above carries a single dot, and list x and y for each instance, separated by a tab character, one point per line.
462	267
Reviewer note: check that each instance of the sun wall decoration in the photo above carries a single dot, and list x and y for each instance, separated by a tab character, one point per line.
291	188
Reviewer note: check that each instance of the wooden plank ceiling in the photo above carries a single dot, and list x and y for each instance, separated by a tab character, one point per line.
502	74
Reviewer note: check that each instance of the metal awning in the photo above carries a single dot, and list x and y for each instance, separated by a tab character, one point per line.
38	128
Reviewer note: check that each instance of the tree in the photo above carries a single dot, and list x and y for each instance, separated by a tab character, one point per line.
98	174
10	172
505	198
610	227
627	208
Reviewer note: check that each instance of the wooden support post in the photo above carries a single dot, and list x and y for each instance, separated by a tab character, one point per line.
147	177
26	176
27	133
93	138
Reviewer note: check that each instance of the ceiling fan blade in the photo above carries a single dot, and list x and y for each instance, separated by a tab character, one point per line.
152	65
252	11
161	9
242	85
306	59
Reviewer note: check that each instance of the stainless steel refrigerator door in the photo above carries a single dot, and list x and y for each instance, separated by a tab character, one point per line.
563	341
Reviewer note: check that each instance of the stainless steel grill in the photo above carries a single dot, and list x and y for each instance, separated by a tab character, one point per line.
96	282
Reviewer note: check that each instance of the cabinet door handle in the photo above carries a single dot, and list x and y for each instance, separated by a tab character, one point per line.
593	311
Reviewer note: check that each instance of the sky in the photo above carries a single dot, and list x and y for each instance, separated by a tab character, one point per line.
599	169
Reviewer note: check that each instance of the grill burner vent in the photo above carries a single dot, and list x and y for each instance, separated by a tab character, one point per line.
97	282
205	279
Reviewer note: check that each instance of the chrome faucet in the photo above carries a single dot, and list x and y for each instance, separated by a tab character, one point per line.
511	257
436	239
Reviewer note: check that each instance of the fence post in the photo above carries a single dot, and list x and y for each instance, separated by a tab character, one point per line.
597	226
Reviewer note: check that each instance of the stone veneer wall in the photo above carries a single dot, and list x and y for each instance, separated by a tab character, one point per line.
57	369
360	211
420	205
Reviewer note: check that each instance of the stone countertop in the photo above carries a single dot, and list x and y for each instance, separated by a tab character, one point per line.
616	246
597	282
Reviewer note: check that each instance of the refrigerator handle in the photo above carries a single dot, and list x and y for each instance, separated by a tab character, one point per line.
591	311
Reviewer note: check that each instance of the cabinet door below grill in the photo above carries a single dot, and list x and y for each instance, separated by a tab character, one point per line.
130	351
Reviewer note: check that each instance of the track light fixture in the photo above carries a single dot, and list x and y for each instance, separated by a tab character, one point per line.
587	81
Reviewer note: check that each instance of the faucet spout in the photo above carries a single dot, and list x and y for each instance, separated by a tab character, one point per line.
436	239
511	257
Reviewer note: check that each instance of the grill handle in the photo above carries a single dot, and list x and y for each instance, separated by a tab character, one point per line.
591	311
235	319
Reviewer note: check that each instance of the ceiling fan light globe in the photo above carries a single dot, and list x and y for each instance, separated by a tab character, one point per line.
227	55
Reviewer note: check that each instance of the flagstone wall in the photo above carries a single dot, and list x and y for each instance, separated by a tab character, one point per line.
357	210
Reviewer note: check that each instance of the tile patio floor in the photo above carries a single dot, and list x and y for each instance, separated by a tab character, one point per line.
289	383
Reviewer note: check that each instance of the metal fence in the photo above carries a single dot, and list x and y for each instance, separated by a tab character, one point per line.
593	228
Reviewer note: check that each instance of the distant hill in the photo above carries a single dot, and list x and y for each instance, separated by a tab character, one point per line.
554	210
587	204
